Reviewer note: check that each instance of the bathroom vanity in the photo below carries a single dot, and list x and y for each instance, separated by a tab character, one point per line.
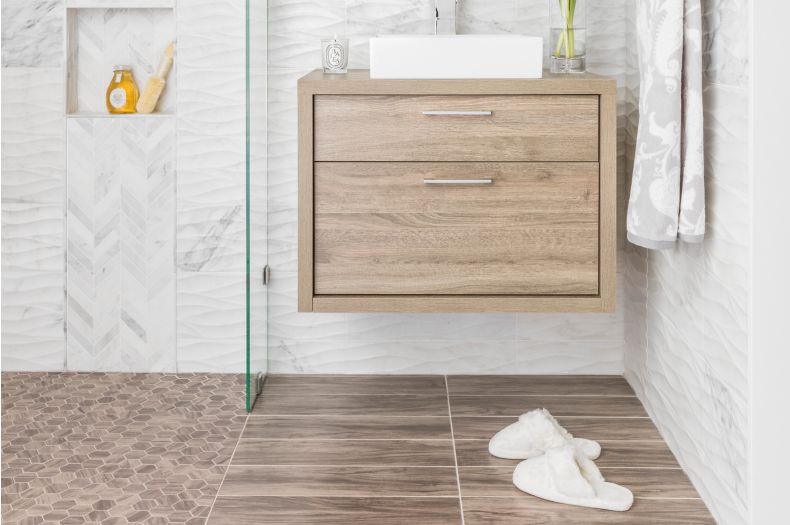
456	195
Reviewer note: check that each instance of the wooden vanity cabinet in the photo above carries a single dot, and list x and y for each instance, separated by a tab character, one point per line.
456	195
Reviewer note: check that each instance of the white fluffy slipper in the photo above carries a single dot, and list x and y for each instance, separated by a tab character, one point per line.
534	433
565	475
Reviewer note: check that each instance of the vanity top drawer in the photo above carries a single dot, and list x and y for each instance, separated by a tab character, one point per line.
456	128
448	228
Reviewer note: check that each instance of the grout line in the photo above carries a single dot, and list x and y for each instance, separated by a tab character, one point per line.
657	498
347	439
297	394
227	469
410	416
382	466
455	453
335	496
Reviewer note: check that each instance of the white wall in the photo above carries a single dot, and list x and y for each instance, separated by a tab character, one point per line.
688	318
123	239
473	343
206	320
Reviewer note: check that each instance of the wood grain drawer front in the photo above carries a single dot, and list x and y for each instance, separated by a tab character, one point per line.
380	229
456	128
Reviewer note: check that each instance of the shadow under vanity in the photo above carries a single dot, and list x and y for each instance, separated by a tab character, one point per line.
456	195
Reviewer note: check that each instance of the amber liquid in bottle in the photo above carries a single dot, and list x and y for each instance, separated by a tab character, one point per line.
122	92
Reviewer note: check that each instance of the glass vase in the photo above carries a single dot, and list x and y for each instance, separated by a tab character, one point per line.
567	38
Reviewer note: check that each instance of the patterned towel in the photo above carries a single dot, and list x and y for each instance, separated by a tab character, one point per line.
668	188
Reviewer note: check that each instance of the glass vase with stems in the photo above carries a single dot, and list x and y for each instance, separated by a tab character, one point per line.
568	36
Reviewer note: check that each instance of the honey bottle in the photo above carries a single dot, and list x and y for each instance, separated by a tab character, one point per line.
122	92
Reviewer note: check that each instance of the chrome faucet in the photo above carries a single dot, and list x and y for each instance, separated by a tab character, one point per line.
444	23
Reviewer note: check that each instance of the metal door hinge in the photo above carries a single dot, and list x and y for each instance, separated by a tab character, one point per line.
266	275
259	383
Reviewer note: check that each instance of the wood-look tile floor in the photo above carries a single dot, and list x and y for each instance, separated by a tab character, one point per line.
413	449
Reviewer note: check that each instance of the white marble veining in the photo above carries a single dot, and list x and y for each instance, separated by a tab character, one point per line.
32	33
687	320
726	46
33	141
32	237
211	167
120	245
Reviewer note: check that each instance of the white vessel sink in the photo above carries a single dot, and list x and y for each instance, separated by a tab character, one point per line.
456	56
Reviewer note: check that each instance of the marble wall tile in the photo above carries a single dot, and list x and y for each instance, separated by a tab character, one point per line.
368	18
32	237
32	327
211	34
121	243
296	28
211	322
211	166
33	141
726	42
32	33
484	16
349	356
691	370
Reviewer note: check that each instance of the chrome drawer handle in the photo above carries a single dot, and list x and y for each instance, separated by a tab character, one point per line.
464	182
457	113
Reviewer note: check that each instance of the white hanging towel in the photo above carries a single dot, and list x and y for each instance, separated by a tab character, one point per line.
667	199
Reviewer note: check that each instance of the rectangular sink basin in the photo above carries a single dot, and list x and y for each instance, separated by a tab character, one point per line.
456	56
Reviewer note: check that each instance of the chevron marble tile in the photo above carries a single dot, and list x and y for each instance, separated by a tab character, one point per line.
121	244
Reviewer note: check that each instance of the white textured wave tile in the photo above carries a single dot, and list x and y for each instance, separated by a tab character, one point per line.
32	33
121	241
33	237
725	42
211	33
286	323
691	371
726	114
606	38
282	128
568	357
433	326
33	141
102	38
211	330
296	28
32	328
571	327
484	16
369	18
391	357
211	165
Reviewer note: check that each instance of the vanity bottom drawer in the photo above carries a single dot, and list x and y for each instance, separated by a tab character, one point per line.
443	228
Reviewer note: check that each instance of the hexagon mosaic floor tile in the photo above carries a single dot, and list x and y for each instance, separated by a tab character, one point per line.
116	448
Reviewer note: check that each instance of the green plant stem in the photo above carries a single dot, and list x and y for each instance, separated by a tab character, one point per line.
566	39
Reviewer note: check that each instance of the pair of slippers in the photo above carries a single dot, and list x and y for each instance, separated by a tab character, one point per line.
557	466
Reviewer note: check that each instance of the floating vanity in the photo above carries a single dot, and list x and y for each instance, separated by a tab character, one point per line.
456	195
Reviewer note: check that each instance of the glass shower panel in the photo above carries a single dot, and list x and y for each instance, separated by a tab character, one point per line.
257	251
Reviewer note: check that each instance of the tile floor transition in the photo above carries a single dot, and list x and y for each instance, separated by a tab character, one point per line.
154	448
